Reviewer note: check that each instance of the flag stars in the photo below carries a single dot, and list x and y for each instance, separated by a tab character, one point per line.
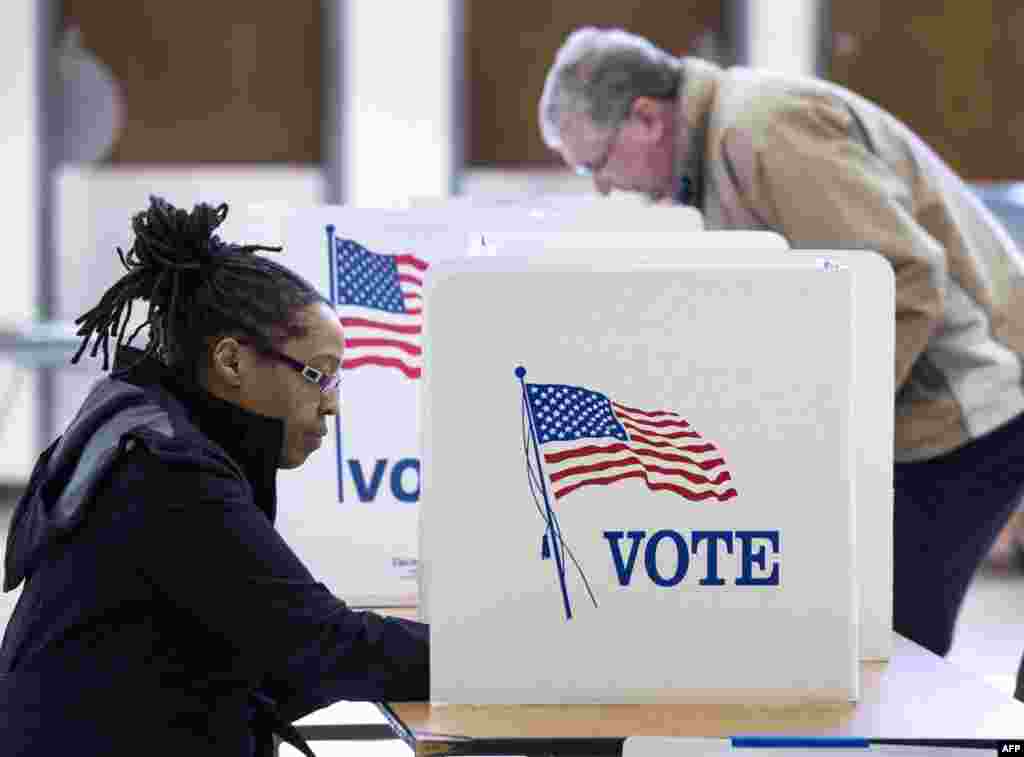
570	413
367	279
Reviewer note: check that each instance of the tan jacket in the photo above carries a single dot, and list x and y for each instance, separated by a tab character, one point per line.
829	169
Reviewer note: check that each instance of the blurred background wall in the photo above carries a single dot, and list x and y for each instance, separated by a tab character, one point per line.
20	156
374	101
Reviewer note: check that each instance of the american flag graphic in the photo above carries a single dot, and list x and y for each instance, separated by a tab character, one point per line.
380	302
587	439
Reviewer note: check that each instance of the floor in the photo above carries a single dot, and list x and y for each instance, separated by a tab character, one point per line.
989	642
990	634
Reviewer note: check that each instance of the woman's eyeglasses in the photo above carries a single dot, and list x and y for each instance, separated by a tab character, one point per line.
327	382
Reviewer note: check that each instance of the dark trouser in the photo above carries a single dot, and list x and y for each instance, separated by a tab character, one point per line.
948	512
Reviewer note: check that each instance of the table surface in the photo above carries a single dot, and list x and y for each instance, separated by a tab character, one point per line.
914	695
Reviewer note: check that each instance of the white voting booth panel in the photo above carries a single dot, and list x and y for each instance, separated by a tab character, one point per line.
351	511
873	420
577	244
617	206
583	245
561	213
661	507
874	345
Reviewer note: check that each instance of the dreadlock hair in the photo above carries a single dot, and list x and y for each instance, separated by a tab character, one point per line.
197	287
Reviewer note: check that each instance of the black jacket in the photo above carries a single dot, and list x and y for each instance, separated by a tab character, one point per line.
161	610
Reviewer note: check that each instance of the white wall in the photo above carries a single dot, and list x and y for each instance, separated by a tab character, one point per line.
94	210
783	35
397	130
19	190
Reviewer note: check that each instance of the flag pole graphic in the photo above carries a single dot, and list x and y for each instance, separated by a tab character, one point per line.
332	266
553	535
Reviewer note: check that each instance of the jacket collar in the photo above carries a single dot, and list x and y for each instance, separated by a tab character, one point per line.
253	441
693	110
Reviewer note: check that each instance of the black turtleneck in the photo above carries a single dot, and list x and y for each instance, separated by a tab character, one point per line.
253	441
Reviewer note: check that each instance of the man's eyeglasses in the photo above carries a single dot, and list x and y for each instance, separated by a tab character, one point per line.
594	167
327	382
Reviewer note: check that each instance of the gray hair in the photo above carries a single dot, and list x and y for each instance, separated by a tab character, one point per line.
598	73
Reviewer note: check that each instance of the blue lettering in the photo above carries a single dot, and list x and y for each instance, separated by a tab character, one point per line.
408	463
752	554
682	555
749	557
625	572
367	493
712	578
402	488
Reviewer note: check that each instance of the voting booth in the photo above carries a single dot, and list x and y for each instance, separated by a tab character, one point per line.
572	214
873	417
351	512
639	478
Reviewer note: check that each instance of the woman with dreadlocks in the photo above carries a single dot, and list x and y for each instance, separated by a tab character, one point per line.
160	607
